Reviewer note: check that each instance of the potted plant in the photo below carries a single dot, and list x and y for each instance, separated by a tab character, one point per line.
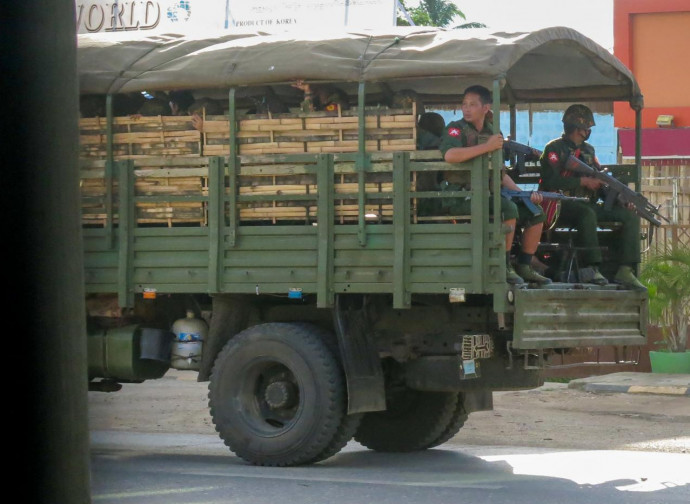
667	277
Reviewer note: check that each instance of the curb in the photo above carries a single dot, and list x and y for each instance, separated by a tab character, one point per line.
634	389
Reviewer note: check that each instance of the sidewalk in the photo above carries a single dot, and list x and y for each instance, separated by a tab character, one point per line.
635	383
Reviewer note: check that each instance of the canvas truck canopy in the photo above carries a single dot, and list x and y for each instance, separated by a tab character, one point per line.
548	65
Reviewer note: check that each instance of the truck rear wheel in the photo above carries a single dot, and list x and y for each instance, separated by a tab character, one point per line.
277	395
414	420
457	420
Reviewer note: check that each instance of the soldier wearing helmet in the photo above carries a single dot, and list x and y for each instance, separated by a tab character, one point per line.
578	117
586	216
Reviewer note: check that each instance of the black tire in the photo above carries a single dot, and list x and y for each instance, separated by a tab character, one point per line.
346	431
457	420
413	421
277	396
350	423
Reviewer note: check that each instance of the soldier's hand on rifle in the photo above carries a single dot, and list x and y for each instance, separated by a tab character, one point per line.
536	197
591	183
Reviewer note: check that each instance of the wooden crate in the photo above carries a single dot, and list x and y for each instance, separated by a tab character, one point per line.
192	180
174	137
135	138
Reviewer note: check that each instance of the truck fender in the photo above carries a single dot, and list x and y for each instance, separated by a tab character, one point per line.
230	314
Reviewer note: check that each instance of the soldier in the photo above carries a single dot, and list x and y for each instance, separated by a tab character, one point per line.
156	106
180	102
585	216
468	138
202	107
430	127
321	97
205	106
268	102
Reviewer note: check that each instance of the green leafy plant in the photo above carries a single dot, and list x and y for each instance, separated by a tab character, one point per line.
435	13
667	277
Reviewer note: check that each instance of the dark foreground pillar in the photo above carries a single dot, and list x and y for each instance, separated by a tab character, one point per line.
46	437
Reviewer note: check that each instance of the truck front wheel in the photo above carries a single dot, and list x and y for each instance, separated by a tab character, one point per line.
277	395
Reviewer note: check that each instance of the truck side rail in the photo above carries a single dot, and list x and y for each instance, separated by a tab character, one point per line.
281	225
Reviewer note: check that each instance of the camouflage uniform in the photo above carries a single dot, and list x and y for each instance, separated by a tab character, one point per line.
585	216
463	134
326	98
430	127
155	107
426	140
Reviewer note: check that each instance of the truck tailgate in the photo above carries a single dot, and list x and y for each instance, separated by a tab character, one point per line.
562	318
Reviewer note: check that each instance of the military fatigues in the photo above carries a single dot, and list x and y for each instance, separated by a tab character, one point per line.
584	216
426	140
331	102
463	134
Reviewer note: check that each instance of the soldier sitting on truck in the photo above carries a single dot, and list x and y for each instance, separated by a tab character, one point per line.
468	138
321	97
157	105
202	107
585	216
430	127
180	102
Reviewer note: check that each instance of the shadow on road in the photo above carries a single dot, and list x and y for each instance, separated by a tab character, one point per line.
357	475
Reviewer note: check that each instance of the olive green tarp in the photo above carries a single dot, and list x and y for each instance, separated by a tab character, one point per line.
548	65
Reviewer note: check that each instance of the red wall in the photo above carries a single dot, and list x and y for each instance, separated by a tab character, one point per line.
652	38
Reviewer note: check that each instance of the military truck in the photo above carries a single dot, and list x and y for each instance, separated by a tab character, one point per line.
283	257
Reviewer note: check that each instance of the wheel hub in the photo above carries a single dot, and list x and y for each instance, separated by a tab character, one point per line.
280	394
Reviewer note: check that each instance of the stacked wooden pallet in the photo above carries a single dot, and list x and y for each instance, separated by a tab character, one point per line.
313	133
189	177
345	202
139	137
152	140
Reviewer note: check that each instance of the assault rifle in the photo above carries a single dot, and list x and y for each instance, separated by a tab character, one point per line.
525	196
614	189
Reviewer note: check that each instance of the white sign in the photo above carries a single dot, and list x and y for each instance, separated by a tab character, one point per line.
275	15
188	16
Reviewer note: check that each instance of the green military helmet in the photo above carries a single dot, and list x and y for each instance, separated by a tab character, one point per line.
579	116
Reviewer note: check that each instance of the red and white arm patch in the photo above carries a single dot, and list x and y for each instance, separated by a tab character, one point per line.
553	157
454	132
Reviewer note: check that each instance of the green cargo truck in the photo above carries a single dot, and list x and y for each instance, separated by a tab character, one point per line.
283	257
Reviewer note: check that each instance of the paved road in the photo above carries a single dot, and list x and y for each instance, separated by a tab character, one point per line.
161	468
154	443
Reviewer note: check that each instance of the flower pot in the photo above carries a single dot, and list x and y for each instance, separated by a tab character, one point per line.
670	362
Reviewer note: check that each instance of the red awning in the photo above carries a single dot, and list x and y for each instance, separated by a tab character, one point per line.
656	142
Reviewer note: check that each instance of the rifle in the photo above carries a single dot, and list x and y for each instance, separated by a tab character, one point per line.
523	153
524	196
614	189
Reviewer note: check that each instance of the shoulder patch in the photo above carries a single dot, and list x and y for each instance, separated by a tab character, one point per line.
454	132
553	157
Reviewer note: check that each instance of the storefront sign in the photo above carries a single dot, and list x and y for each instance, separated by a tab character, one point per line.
188	16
